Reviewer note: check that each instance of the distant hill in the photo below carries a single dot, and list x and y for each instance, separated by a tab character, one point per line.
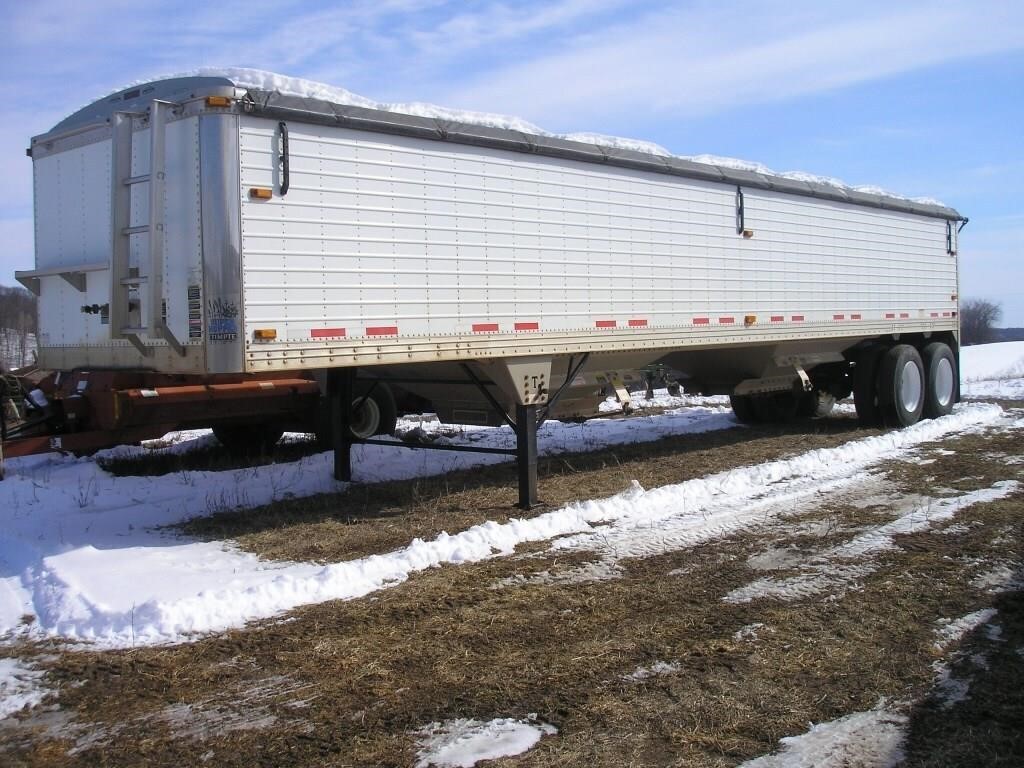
1008	334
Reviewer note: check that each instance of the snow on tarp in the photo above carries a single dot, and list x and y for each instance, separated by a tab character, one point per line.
262	80
97	577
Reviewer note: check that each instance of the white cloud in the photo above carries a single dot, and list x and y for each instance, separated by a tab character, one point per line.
711	58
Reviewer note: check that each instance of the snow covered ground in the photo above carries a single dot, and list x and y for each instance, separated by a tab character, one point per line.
87	556
82	552
994	371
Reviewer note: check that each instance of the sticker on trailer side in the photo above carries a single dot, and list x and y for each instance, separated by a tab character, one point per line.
223	320
195	312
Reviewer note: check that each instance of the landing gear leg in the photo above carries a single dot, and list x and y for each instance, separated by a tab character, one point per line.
526	455
339	390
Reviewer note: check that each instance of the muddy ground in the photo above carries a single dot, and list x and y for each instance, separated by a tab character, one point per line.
349	683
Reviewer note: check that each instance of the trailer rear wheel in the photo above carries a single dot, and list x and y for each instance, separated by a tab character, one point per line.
248	439
901	386
940	377
865	386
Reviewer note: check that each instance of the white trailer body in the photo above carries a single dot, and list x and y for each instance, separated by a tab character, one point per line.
255	231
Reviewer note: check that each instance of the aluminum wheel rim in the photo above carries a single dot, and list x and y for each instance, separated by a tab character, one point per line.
910	386
366	420
944	382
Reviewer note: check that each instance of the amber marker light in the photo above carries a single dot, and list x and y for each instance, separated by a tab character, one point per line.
261	193
749	319
218	101
265	334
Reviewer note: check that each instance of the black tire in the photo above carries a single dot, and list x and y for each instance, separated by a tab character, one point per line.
865	386
901	386
815	404
940	380
743	408
248	439
777	407
378	415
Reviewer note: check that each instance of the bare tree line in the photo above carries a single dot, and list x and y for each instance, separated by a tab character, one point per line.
18	327
978	319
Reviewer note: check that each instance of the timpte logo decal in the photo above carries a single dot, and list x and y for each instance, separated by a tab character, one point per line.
223	320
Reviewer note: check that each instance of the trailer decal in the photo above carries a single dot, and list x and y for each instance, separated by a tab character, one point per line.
223	320
195	312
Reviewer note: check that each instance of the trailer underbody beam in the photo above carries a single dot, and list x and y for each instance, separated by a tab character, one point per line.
341	394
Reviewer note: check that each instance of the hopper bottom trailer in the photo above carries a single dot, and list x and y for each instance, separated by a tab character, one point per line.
214	252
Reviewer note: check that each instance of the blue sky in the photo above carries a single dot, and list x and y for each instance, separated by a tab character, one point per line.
921	98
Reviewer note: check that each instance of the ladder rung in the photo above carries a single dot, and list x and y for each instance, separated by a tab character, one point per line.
141	179
135	230
134	280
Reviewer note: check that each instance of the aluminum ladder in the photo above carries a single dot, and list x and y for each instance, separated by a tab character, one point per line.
152	323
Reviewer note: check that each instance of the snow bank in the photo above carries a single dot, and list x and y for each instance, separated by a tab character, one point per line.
96	577
271	81
831	569
993	371
19	687
464	743
991	362
951	630
871	739
86	554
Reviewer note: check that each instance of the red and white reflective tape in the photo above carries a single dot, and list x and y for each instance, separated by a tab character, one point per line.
797	318
382	330
485	327
778	318
606	323
637	323
527	326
